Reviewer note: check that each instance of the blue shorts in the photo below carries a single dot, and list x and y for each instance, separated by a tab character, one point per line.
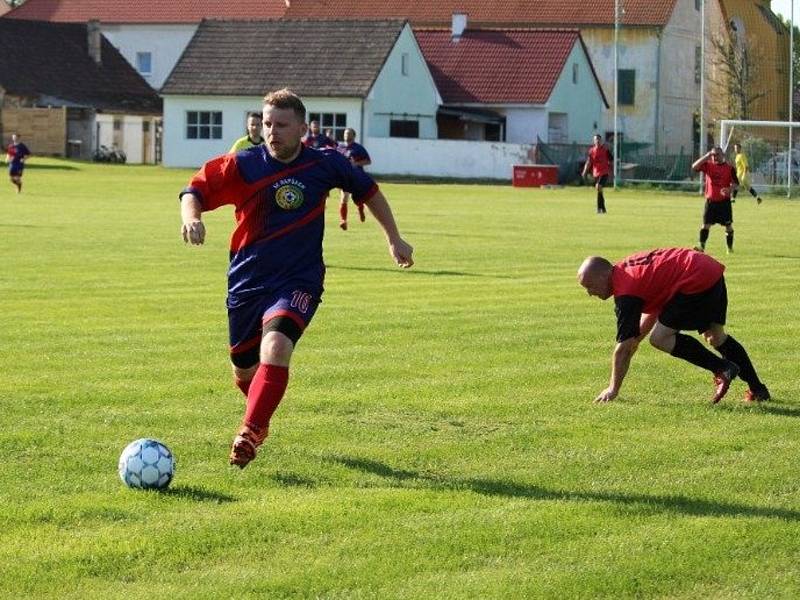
246	319
15	170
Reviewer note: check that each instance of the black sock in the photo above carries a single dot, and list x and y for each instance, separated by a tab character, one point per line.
735	352
691	350
753	193
735	192
729	241
601	202
703	237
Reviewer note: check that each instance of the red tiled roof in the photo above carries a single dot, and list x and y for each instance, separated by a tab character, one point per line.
492	66
483	13
147	11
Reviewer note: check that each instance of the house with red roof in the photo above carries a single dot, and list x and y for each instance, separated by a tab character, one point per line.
659	50
513	85
150	34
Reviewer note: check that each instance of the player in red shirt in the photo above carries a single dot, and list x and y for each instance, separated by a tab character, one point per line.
599	159
720	181
662	292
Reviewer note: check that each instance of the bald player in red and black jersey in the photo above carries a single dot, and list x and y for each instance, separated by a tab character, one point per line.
721	180
662	292
599	159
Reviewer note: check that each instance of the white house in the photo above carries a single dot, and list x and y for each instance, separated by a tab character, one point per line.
380	86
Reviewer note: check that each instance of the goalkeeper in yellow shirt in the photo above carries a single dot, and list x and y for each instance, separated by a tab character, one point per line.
253	137
743	173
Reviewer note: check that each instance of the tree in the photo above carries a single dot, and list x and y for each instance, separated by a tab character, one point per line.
14	3
736	65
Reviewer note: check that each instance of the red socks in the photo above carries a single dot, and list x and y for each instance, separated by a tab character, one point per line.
243	385
265	393
343	212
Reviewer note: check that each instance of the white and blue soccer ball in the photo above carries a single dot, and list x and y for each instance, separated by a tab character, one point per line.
146	464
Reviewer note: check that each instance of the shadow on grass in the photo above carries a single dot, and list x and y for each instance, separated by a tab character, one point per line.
495	487
49	167
197	494
413	271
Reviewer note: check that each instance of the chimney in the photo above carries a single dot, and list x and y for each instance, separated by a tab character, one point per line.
459	24
94	40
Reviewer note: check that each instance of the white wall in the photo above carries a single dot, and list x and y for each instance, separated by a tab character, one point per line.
165	43
132	138
178	151
131	135
445	158
394	94
524	124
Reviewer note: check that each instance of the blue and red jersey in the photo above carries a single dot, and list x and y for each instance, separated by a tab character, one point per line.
354	151
319	141
17	153
279	211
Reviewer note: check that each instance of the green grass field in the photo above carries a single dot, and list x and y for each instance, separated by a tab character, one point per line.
438	437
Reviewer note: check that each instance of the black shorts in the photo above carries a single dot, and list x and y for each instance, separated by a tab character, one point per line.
602	180
718	212
697	311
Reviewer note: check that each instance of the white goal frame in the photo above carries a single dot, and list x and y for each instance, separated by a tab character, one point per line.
726	127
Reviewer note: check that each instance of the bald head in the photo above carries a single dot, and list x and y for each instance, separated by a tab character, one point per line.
594	274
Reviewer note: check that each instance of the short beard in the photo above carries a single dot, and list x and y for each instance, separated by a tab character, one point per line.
284	156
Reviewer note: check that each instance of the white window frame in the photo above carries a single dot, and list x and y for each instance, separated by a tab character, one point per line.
194	121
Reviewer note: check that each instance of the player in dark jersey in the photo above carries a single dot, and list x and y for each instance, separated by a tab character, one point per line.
16	154
317	140
720	181
599	159
275	279
662	292
359	158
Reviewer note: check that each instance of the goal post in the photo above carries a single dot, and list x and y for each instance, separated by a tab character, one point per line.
770	148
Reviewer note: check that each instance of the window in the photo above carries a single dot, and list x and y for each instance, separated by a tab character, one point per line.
574	72
404	64
627	87
203	125
698	64
698	4
337	122
144	63
557	128
404	129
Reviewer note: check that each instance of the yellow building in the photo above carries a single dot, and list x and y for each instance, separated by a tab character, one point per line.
754	27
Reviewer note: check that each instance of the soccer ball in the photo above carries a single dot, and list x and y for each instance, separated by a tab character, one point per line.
147	464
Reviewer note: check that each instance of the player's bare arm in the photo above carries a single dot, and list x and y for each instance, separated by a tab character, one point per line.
620	362
400	250
192	229
707	156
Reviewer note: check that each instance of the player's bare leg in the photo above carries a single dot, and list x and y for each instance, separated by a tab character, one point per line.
343	210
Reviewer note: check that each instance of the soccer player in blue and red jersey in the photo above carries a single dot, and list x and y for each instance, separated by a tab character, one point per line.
668	290
599	160
359	158
16	153
317	140
720	181
275	279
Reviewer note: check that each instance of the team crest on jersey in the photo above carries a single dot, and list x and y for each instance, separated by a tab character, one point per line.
289	194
